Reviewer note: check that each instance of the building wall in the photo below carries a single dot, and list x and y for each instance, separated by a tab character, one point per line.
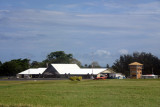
136	71
51	72
149	76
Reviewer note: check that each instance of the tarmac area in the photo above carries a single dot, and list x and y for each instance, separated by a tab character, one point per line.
24	79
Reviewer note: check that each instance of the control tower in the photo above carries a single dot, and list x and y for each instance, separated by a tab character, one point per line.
135	70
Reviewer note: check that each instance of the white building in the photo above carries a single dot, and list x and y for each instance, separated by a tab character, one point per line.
60	71
31	73
66	70
111	74
149	76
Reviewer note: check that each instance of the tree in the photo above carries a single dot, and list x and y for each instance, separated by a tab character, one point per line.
56	57
10	68
75	61
59	57
149	61
0	63
13	67
107	66
44	63
0	68
86	66
35	64
95	64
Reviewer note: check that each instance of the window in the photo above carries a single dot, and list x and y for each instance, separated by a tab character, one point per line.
133	75
134	71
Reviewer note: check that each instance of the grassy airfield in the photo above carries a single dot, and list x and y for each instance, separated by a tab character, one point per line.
85	93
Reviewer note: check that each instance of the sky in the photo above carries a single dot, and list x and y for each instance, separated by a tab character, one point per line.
91	30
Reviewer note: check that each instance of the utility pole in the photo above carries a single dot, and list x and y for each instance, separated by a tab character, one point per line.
92	67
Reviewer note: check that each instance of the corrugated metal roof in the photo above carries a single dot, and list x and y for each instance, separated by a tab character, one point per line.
75	69
108	71
62	67
89	70
65	69
135	63
33	71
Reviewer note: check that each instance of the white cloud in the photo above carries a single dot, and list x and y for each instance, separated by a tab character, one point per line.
150	8
123	51
113	5
102	53
71	6
109	27
54	30
30	22
90	3
4	11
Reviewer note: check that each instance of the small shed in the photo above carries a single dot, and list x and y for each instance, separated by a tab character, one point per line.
110	73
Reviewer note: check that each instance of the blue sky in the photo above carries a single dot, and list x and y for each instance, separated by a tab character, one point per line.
104	29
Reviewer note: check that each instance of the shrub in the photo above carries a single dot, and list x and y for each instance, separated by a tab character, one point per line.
79	78
74	78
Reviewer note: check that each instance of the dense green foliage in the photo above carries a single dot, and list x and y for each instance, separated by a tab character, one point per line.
11	68
87	93
151	63
56	57
59	57
0	63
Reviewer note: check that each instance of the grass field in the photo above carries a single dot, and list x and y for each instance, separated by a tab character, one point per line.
86	93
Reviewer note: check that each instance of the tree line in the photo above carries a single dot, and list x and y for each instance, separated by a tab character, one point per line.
151	63
11	68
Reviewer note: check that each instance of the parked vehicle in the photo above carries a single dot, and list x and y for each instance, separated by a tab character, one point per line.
102	77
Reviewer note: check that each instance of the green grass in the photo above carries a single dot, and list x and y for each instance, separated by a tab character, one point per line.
85	93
